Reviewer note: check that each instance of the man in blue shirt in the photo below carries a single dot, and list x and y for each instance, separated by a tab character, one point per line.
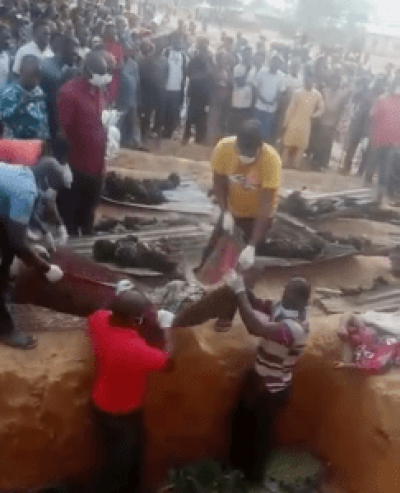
23	107
19	192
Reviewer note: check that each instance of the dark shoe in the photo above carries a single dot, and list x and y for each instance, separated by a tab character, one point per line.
17	339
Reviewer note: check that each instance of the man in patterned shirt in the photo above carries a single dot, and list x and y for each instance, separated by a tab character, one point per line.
23	106
283	330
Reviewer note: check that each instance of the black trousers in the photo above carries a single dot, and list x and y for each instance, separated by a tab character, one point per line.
77	206
122	439
197	116
253	429
7	255
172	112
356	135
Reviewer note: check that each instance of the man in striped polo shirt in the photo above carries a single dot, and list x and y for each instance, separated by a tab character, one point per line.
283	329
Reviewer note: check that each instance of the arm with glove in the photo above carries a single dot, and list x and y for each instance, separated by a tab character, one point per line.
262	224
29	254
254	324
221	189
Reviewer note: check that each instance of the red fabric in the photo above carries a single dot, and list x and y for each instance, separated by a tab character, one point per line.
372	354
117	52
25	152
223	259
123	363
385	122
80	106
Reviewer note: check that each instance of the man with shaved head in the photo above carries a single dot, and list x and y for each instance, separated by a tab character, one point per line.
130	341
23	105
20	191
80	107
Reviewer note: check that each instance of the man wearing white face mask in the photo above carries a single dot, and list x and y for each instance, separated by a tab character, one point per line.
19	192
80	107
246	182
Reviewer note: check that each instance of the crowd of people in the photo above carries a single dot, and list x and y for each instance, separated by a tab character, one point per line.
62	66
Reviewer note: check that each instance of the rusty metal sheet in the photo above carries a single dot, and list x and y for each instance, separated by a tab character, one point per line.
384	299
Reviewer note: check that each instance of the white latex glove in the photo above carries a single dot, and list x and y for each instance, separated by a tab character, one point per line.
247	257
41	251
62	235
235	282
165	319
228	223
50	242
16	268
55	274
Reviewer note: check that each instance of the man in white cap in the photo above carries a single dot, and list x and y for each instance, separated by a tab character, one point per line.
19	192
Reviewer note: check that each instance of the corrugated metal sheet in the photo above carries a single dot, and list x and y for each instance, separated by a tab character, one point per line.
384	299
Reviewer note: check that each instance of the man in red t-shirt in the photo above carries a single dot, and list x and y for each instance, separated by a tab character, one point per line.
385	138
126	352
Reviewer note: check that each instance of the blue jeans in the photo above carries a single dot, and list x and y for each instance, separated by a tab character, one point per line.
381	160
267	121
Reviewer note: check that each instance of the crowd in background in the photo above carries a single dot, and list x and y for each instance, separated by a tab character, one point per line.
169	82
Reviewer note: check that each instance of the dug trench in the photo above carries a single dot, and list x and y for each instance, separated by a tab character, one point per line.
46	426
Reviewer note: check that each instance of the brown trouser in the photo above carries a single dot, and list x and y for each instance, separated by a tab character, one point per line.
220	304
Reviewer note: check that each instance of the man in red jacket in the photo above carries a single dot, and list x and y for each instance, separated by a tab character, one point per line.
80	107
128	345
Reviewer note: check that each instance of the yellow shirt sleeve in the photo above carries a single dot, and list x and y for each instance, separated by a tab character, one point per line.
271	166
222	157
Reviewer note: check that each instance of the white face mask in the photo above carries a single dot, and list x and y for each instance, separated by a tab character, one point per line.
246	160
109	78
99	81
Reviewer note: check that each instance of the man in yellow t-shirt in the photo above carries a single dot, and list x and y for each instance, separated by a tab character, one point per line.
246	182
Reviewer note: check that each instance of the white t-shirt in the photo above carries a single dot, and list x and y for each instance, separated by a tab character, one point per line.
4	68
30	49
293	83
269	86
242	97
175	72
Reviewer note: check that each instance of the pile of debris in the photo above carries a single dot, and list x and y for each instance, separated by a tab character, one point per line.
147	192
382	296
130	251
176	295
